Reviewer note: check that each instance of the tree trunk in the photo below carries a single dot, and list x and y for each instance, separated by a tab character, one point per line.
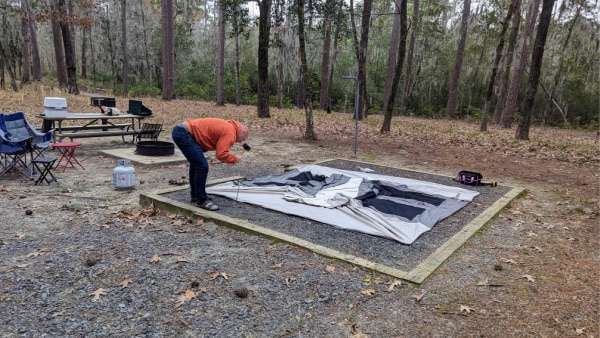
409	57
392	55
497	57
25	46
263	58
336	42
238	88
453	94
124	48
279	72
168	45
301	92
389	104
535	69
145	42
221	57
508	60
59	52
362	58
515	85
36	67
324	92
559	70
309	132
84	43
11	70
72	87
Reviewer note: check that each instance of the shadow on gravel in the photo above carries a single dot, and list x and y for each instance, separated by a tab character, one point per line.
413	263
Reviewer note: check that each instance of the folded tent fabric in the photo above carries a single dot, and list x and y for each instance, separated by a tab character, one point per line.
407	209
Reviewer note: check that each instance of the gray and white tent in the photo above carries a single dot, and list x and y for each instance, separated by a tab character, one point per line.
392	207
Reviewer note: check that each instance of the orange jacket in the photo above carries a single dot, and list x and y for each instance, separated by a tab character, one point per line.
215	134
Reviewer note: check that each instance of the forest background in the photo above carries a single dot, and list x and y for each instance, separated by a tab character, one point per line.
478	60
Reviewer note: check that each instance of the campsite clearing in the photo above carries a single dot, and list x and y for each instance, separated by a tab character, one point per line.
82	258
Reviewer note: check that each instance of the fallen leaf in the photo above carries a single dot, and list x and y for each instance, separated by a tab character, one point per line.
510	261
155	259
39	252
466	309
125	283
214	275
177	223
97	294
529	278
288	281
418	297
224	275
277	266
393	284
187	296
579	331
368	292
330	268
200	222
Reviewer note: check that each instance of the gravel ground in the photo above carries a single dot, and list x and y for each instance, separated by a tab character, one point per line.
81	259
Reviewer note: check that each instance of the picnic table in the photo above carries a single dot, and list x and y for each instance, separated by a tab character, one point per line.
92	125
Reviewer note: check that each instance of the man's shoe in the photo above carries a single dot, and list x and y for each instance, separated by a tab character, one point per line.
208	205
194	200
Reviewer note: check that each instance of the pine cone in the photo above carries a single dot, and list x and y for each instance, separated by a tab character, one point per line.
241	292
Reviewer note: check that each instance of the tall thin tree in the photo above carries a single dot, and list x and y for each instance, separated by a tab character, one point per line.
515	85
36	65
507	65
360	49
410	55
168	50
264	7
25	47
309	132
325	54
460	50
535	69
497	57
124	48
221	56
397	71
69	49
59	51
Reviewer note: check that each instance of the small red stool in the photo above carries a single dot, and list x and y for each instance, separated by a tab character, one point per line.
67	149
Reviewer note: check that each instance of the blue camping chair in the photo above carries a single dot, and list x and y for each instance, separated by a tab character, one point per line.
18	140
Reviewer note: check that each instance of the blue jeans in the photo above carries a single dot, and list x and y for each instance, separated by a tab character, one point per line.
198	172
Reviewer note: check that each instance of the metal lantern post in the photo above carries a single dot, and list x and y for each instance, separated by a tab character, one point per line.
356	96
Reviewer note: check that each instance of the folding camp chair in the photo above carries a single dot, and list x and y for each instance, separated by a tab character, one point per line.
18	140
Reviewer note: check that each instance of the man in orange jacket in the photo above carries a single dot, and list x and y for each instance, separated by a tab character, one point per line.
196	136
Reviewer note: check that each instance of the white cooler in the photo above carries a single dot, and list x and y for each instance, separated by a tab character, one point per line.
55	106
